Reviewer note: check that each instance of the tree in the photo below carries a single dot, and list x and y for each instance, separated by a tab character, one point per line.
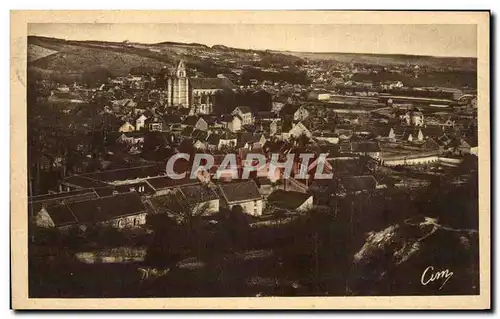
186	211
167	246
96	76
237	227
224	101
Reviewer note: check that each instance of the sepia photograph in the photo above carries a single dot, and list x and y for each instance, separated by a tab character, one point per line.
186	155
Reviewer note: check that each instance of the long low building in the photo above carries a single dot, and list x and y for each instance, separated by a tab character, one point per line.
412	159
119	211
419	158
416	99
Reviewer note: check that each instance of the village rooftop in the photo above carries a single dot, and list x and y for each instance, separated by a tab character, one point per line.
253	162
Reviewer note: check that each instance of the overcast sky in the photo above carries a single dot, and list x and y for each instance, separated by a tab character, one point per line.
435	39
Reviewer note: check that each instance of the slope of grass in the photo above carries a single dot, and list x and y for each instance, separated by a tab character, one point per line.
36	52
81	59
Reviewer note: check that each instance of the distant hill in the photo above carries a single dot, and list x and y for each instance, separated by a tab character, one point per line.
193	45
67	60
387	59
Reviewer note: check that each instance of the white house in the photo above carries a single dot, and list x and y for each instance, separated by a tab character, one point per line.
202	199
296	131
126	127
232	123
245	113
140	122
300	114
131	138
216	141
415	118
227	140
242	193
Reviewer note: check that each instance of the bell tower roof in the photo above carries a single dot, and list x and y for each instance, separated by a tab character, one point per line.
180	71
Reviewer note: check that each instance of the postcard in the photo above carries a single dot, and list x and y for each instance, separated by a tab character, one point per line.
250	160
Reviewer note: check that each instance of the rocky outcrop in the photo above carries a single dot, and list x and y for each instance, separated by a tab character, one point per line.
414	258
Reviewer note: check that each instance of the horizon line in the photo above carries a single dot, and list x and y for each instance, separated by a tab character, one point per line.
253	49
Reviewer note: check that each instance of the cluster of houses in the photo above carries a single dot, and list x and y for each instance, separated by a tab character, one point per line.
355	146
123	198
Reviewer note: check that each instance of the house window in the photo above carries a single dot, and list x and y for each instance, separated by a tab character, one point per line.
255	207
156	127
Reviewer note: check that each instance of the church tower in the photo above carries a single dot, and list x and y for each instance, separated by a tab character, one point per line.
178	87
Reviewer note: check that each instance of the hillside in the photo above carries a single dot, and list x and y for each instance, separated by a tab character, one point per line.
387	59
75	59
36	52
67	60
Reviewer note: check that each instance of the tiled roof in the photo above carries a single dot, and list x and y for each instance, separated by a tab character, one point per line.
36	203
211	83
96	210
239	191
243	109
191	120
59	196
287	199
61	215
164	182
198	193
210	119
107	208
247	137
199	135
83	181
126	173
